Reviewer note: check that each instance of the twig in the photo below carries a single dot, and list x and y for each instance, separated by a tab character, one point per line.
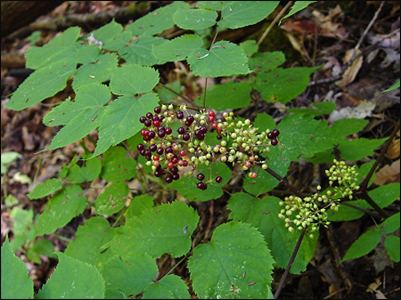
285	182
273	23
287	270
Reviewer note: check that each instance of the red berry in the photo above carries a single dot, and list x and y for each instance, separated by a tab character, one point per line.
215	125
219	179
211	113
156	123
211	118
201	176
174	160
155	157
170	165
182	153
185	163
253	175
274	142
219	130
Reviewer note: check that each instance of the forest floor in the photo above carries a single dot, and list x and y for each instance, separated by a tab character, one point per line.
323	34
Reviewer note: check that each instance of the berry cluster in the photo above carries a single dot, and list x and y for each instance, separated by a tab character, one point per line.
312	211
239	142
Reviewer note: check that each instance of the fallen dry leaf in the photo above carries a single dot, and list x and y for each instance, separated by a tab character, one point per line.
361	111
351	72
393	150
388	174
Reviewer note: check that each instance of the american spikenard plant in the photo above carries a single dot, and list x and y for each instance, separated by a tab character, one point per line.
146	134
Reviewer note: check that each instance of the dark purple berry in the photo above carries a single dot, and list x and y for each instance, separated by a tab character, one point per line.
186	136
219	137
149	115
151	134
158	173
203	129
148	122
219	179
159	151
181	130
200	176
276	132
147	152
190	120
140	147
169	130
158	109
155	118
201	136
270	135
169	178
174	170
176	176
199	185
161	133
152	147
169	150
274	142
142	152
142	119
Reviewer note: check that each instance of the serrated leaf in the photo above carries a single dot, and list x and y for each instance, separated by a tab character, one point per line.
344	127
169	287
298	6
59	49
358	148
108	32
283	85
89	172
73	279
237	14
264	121
392	244
118	168
263	214
45	188
15	282
138	205
321	108
249	47
92	96
89	240
266	61
128	275
112	199
156	21
386	194
163	229
133	79
226	267
228	95
88	54
42	84
178	48
140	51
223	59
42	247
119	41
363	245
114	153
120	120
97	72
391	224
194	19
60	209
188	189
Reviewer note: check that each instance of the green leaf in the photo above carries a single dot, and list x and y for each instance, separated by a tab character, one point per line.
62	47
347	213
264	121
169	287
34	37
156	21
138	205
45	188
344	127
263	214
42	84
7	158
228	95
359	148
392	244
42	247
133	79
237	14
88	54
108	32
261	184
321	108
322	157
73	279
283	85
363	245
178	48
128	275
249	47
298	6
188	189
89	172
163	229
223	59
266	61
89	98
391	224
236	263
215	5
117	167
89	240
60	209
95	72
119	41
112	199
15	282
194	19
363	171
393	87
120	119
140	51
386	194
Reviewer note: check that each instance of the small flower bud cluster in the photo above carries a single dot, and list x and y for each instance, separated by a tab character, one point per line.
311	212
166	151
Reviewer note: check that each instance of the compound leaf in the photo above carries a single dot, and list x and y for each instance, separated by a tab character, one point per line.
120	119
60	209
45	188
237	14
73	279
194	19
133	79
119	41
137	205
15	282
108	32
42	84
236	263
112	199
178	48
263	214
89	172
169	287
140	51
163	229
223	59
